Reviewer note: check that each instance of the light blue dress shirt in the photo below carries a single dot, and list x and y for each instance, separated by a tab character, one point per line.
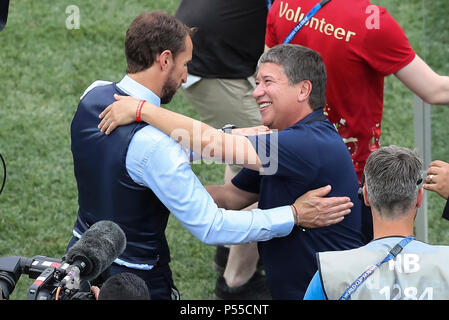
156	161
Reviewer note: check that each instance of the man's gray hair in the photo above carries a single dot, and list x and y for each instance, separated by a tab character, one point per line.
393	176
300	63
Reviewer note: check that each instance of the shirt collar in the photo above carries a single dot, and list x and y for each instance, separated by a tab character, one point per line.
311	115
136	90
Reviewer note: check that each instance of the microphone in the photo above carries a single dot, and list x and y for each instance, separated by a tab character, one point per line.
99	246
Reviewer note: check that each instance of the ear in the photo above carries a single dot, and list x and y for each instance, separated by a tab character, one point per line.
420	197
165	59
304	90
365	197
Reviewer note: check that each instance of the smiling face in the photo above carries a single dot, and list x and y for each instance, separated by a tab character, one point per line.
277	99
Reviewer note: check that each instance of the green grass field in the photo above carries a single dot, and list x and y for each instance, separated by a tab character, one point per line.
45	67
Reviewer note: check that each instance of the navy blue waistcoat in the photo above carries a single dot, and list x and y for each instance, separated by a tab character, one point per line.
105	189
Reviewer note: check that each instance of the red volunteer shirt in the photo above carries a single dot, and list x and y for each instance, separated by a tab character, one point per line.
360	44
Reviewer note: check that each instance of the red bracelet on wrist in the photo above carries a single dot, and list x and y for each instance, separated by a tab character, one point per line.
139	110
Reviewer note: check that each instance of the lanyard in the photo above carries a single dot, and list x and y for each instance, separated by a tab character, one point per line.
269	3
368	272
304	20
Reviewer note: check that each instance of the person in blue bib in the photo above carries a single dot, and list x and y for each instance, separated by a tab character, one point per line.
393	265
302	153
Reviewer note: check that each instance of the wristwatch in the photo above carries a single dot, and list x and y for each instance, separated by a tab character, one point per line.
228	128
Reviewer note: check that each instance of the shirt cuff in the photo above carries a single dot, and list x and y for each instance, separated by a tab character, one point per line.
282	220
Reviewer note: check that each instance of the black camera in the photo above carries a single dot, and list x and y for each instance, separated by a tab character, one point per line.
54	278
66	279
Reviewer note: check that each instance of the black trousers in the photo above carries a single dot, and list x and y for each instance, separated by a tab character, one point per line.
4	5
159	280
446	211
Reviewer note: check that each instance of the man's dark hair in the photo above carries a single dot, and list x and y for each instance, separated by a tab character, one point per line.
300	63
150	34
124	286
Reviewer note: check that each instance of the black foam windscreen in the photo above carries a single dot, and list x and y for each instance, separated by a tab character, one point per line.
99	246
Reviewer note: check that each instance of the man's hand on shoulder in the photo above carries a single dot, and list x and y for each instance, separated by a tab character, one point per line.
315	210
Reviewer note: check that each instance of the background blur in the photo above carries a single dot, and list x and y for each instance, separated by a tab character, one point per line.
46	63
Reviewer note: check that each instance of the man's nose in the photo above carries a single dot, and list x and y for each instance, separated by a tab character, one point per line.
258	91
